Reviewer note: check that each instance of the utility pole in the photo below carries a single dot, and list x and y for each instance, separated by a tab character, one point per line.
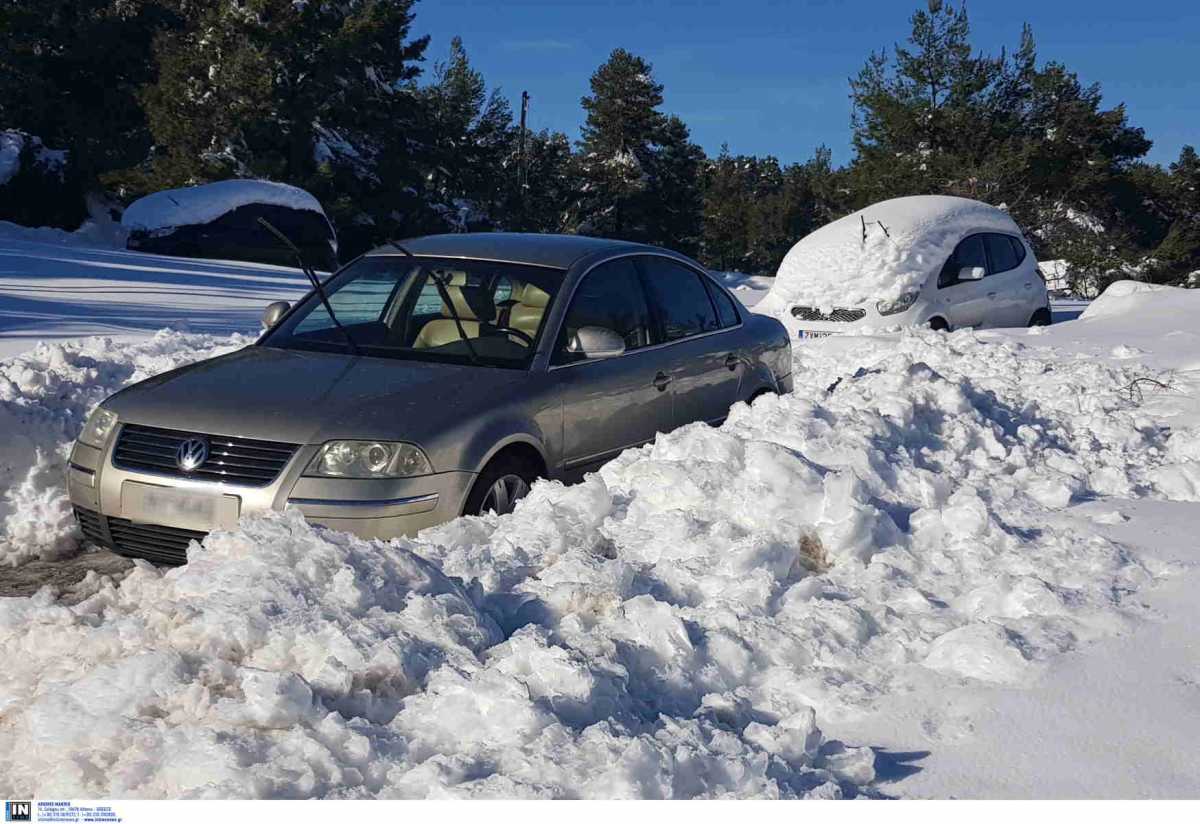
522	176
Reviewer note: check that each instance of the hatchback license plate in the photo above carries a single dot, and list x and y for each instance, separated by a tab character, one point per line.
809	334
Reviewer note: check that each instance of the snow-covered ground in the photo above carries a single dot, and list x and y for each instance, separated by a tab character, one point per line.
946	565
52	288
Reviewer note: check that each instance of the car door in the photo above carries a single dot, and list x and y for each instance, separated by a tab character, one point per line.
964	302
703	361
610	404
1006	297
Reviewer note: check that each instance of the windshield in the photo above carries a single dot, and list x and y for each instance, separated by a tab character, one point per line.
396	307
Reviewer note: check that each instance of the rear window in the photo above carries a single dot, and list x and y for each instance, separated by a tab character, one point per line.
726	313
680	299
1002	254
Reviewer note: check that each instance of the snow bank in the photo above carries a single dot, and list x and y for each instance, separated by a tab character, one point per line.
204	204
678	625
45	397
907	239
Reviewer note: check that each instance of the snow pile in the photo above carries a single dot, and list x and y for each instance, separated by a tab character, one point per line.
906	240
678	625
203	204
13	143
45	397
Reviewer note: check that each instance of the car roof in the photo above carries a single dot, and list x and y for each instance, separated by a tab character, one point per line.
557	251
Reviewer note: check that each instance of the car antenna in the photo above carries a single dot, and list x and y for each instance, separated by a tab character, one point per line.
313	279
447	301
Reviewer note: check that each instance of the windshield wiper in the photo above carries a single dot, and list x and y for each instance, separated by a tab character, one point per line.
445	296
313	279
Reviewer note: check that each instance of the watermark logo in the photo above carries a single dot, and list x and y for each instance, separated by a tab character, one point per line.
18	810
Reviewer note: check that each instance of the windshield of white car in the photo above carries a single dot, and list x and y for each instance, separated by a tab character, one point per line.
394	306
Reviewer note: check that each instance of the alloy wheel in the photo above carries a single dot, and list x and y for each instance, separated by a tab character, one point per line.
503	495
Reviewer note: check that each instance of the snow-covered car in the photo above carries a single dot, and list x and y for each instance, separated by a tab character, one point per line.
220	221
937	261
424	381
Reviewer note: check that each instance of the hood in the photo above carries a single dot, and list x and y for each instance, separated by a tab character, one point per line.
310	397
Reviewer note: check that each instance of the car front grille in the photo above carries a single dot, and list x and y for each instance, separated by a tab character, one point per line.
159	544
838	315
91	525
241	461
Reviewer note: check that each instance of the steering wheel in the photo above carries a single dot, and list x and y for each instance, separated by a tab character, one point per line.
508	330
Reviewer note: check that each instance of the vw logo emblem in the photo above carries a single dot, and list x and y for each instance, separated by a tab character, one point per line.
191	454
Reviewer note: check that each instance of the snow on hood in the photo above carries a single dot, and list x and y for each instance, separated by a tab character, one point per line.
678	625
203	204
835	266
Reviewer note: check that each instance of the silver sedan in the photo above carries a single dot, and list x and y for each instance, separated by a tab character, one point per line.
432	378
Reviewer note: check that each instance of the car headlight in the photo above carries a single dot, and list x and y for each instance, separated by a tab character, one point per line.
895	307
98	427
368	459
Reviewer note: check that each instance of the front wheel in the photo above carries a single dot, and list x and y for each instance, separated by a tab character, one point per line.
499	486
1040	318
938	324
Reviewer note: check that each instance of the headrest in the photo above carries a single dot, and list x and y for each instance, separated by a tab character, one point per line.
470	302
531	295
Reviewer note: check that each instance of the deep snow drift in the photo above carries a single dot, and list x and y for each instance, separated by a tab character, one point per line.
878	253
684	623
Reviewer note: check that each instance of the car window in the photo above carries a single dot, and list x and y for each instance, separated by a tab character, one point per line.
1018	249
679	298
611	297
362	300
726	313
391	306
1003	257
969	252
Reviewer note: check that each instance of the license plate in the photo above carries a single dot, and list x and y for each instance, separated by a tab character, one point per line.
810	334
183	508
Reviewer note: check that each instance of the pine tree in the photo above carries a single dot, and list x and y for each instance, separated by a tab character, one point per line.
622	128
639	170
69	75
320	95
676	190
472	136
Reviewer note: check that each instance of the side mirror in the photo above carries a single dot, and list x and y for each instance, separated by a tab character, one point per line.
274	312
594	342
971	273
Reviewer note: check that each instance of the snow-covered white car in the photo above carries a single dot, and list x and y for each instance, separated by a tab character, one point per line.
943	262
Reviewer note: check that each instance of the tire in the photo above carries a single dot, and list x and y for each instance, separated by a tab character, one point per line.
499	486
938	324
1040	318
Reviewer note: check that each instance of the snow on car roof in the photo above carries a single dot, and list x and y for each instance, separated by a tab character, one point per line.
906	239
203	204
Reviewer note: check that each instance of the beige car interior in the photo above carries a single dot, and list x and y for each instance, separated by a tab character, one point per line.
476	309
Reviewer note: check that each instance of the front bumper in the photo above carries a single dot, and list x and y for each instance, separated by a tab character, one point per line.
110	515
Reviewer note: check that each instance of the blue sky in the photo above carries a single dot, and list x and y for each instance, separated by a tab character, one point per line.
770	76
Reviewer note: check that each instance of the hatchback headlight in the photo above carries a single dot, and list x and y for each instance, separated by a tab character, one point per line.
895	307
98	427
368	459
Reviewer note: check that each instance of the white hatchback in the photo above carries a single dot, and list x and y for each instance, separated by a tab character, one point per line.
935	261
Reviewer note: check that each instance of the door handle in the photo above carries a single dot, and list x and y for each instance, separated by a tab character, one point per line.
661	381
732	361
1028	285
992	295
